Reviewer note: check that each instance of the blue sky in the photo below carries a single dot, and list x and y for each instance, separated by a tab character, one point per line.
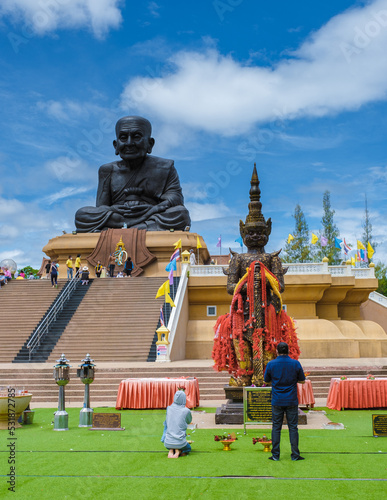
300	88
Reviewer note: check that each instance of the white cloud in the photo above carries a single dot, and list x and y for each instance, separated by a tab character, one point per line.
69	110
305	142
64	193
13	254
10	207
47	16
29	223
206	211
339	67
154	8
62	111
9	231
72	168
194	191
379	173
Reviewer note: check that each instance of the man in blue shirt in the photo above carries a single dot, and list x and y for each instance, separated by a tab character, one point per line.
284	373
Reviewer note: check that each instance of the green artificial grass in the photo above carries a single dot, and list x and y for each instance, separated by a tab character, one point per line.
79	463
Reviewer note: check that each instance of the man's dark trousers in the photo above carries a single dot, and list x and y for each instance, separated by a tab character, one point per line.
278	413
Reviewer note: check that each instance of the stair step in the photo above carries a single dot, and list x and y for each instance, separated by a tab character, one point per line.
104	389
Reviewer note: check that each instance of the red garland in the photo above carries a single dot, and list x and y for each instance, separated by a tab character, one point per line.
278	327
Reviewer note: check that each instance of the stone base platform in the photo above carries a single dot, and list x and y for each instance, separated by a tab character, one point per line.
232	411
159	243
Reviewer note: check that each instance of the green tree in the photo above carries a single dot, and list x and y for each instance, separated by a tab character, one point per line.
381	274
298	250
29	270
330	231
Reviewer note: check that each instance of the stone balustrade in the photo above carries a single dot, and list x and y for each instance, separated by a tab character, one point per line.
211	270
379	298
298	268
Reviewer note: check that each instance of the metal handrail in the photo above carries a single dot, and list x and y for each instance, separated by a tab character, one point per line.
42	329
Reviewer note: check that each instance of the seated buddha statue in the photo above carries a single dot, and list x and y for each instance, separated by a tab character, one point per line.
140	190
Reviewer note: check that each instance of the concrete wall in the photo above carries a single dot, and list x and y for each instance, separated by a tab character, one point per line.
326	309
373	311
331	319
204	291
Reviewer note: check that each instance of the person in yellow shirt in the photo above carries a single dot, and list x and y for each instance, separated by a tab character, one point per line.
77	263
69	264
98	269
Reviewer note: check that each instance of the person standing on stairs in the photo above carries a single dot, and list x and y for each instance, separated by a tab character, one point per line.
47	268
128	268
54	274
85	275
98	269
111	265
69	265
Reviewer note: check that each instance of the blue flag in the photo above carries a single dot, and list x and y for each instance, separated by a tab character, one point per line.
171	265
240	241
338	243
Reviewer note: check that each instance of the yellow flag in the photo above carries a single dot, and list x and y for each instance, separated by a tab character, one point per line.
198	244
353	263
169	300
163	290
290	238
370	250
314	239
177	244
360	245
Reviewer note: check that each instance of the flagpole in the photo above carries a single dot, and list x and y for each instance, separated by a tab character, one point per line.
177	266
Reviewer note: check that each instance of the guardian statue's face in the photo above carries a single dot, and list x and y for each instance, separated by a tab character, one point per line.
254	238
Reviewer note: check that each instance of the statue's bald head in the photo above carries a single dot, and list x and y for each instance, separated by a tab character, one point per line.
134	139
145	124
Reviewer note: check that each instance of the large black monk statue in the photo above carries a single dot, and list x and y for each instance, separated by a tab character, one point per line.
140	191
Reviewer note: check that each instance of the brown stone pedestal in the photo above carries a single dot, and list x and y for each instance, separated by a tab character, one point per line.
159	243
232	411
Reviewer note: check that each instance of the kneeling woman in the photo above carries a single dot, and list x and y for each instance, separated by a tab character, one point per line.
175	427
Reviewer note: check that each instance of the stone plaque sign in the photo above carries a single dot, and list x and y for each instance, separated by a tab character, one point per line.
256	405
379	425
107	421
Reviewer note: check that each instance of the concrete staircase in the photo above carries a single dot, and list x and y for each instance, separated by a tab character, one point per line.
39	380
23	304
55	330
115	321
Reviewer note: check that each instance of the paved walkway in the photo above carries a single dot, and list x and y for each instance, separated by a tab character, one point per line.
203	420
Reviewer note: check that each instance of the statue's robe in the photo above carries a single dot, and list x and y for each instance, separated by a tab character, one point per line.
154	182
